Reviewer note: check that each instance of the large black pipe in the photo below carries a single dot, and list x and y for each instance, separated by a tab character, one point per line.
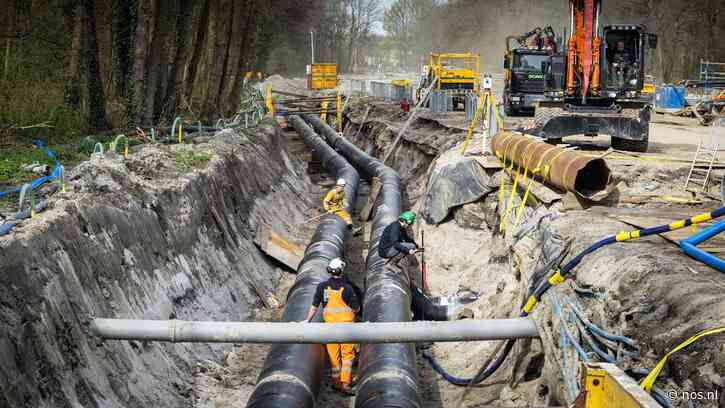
388	375
292	373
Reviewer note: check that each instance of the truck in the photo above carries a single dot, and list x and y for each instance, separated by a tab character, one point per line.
524	83
455	73
595	86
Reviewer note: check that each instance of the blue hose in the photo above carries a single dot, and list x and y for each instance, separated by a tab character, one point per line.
6	227
462	382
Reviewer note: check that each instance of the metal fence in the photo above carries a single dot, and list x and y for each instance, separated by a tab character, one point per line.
354	87
712	74
446	101
391	92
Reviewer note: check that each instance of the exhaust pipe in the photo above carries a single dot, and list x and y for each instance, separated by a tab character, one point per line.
292	373
388	375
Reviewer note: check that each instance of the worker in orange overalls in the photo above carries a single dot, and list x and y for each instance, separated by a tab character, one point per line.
340	304
335	203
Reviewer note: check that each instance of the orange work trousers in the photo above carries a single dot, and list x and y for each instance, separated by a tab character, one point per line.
341	358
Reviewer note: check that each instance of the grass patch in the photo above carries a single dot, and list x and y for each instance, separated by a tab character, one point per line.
12	158
189	159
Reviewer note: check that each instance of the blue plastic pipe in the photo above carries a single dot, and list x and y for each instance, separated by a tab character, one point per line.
689	245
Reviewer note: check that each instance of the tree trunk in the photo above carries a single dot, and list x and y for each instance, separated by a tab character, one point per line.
236	50
155	59
176	73
235	90
9	31
222	28
124	26
198	49
74	24
96	98
139	59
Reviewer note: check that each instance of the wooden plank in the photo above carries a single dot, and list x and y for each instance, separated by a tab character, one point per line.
488	162
372	197
278	248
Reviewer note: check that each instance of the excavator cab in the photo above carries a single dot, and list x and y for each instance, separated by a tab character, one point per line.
623	56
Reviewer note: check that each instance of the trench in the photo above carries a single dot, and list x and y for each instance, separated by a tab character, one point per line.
144	238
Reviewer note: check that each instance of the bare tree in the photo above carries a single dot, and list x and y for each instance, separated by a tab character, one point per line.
94	82
143	14
198	48
176	73
124	26
72	12
222	30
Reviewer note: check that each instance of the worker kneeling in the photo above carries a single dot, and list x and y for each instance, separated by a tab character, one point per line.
340	304
335	203
396	243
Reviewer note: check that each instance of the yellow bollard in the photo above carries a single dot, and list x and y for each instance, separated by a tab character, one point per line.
181	124
323	115
269	103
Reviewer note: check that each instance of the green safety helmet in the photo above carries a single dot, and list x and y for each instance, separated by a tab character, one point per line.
408	217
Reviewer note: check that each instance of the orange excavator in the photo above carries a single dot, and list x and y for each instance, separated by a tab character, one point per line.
594	86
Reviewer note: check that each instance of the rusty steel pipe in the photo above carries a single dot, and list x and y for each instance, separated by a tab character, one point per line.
561	168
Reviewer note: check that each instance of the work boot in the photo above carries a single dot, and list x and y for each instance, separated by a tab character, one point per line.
346	389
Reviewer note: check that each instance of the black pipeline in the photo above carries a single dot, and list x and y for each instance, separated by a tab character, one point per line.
292	373
388	376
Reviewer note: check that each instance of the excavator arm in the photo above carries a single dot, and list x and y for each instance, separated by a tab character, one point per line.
583	69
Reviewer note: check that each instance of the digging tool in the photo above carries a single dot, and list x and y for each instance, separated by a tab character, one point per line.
319	216
423	265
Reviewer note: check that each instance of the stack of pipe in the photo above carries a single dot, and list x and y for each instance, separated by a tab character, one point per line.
388	376
292	373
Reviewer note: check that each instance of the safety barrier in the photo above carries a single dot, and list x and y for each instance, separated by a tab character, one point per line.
388	375
292	373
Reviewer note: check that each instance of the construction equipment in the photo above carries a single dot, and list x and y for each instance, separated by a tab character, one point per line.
523	76
699	177
595	85
456	74
606	385
321	76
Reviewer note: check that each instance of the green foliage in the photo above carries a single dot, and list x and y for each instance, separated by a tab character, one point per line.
12	158
189	159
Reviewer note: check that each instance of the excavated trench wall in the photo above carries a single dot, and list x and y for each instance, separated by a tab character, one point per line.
646	289
150	237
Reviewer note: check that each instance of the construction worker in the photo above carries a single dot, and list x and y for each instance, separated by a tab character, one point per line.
395	243
404	105
335	203
621	67
340	304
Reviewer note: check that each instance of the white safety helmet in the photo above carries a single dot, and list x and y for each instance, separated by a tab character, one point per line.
336	266
341	182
